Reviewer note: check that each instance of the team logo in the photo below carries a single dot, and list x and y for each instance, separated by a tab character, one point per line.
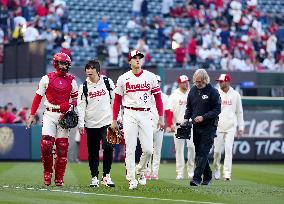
137	87
204	97
6	139
97	93
145	97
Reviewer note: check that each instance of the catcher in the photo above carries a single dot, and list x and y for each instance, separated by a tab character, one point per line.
95	116
61	91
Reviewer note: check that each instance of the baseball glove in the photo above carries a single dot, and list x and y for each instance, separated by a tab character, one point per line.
114	136
69	120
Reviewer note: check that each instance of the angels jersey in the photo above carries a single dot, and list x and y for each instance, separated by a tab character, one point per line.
137	90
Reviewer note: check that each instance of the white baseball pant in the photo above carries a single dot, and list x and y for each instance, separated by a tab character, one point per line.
226	138
137	124
154	163
51	127
179	147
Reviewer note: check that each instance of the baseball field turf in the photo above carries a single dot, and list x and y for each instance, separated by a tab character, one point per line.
21	182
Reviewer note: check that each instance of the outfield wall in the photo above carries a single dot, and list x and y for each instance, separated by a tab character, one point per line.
19	143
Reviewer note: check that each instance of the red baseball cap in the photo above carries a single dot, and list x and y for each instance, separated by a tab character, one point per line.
183	78
134	53
224	77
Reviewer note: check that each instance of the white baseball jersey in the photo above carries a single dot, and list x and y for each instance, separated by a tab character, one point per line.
98	112
43	84
177	104
137	90
154	111
231	111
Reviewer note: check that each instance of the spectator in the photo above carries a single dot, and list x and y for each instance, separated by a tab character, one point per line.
103	28
31	33
271	44
123	43
167	5
144	8
180	56
132	24
84	40
136	8
144	49
161	35
269	63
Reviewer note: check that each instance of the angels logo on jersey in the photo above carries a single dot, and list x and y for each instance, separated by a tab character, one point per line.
137	87
145	97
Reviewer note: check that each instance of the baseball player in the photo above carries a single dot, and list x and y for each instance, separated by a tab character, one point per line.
134	89
61	91
177	105
152	171
95	114
230	118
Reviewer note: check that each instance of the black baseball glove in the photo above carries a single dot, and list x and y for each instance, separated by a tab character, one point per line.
184	130
69	120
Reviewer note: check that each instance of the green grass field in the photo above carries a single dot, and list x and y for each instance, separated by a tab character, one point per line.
252	183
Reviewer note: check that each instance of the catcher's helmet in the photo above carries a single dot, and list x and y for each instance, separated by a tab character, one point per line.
184	131
61	62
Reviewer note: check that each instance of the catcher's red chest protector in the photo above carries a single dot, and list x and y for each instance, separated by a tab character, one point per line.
59	88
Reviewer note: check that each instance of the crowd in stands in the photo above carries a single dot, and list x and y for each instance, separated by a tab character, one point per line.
9	114
221	34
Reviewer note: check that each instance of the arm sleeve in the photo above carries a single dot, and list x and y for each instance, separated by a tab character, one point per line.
159	104
215	105
35	104
116	106
81	106
239	112
169	117
188	111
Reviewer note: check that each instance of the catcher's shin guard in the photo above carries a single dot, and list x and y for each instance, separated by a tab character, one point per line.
46	146
61	160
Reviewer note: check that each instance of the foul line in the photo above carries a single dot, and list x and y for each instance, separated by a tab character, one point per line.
110	195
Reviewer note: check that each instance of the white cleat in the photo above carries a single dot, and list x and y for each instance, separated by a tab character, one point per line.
217	174
107	181
179	177
190	175
133	184
142	179
94	182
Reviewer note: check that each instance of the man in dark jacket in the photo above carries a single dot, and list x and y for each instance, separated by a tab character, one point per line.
203	107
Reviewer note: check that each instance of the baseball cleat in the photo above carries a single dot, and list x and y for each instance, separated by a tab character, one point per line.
107	181
133	184
217	174
142	179
148	176
59	182
47	178
179	177
190	175
155	177
94	182
194	183
227	179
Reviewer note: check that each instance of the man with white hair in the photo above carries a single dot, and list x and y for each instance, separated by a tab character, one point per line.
203	107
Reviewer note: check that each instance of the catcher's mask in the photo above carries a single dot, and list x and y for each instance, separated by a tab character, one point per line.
184	130
61	62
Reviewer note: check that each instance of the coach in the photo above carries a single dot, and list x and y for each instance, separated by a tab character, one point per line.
203	107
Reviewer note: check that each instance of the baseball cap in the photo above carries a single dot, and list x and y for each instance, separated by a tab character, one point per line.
182	78
134	53
224	77
158	78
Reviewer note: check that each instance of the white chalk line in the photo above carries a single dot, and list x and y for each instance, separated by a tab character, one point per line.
109	195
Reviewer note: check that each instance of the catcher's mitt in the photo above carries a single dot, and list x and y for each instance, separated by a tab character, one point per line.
114	136
69	120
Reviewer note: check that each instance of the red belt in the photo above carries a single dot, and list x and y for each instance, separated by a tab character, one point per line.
137	109
53	110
